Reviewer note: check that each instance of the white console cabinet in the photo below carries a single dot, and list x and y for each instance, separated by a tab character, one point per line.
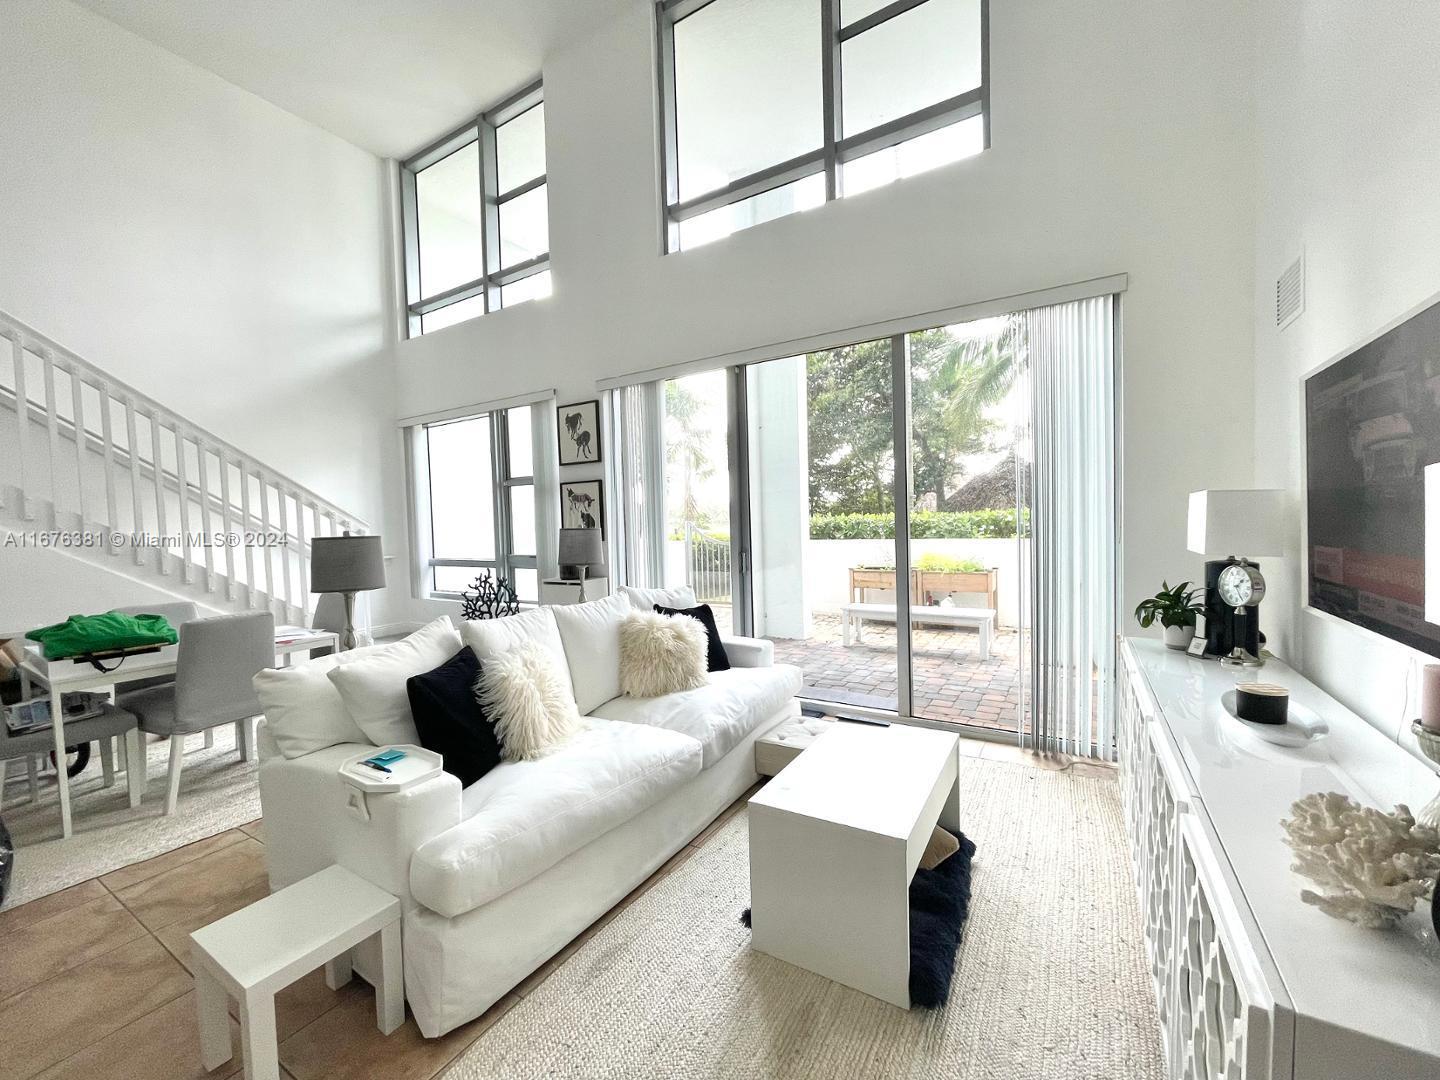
1251	983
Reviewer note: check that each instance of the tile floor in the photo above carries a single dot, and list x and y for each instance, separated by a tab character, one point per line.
94	980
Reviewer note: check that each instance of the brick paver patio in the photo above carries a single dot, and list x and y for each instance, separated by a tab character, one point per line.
951	682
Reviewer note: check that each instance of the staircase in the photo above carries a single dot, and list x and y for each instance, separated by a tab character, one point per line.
96	471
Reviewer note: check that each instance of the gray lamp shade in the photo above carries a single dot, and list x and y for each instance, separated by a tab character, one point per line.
581	547
346	564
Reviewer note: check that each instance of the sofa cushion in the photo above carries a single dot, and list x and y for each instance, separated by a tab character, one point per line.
660	655
449	719
529	815
719	714
715	657
373	688
590	633
646	599
534	711
303	710
491	637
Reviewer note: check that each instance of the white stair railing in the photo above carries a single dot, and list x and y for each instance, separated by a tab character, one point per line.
158	476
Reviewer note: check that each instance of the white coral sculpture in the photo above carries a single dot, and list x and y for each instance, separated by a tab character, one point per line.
1372	866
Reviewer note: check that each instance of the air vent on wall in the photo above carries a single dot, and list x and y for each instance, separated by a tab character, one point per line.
1290	293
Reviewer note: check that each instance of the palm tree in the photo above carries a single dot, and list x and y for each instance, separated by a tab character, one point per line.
686	447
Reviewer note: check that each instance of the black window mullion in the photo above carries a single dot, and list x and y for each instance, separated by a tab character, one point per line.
489	211
830	90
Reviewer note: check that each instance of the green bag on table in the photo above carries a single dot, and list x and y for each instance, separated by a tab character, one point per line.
80	635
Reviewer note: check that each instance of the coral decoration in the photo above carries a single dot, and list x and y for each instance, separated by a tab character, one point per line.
1372	866
492	598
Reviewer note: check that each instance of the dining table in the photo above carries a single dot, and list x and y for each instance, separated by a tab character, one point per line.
62	676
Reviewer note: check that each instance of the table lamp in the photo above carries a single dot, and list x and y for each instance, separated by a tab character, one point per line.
581	550
346	565
1225	522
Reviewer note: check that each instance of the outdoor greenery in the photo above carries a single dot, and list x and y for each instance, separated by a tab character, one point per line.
924	525
934	564
953	382
687	453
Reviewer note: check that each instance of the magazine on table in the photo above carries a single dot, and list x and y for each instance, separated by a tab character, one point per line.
34	715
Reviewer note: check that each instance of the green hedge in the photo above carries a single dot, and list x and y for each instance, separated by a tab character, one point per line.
924	525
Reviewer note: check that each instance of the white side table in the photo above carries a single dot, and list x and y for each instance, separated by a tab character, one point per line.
259	950
565	591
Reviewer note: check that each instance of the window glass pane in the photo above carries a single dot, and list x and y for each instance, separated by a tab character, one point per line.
914	156
522	451
462	503
801	195
520	148
452	314
524	227
456	579
926	55
447	197
527	583
747	89
534	287
855	10
522	520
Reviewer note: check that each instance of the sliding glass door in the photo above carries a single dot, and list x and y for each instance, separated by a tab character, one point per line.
986	447
820	438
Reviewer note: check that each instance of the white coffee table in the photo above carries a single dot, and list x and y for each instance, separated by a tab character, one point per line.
835	839
261	949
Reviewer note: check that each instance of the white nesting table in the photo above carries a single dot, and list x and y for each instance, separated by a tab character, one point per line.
835	839
259	950
63	676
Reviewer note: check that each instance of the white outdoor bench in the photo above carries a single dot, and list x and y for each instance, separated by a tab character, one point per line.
982	619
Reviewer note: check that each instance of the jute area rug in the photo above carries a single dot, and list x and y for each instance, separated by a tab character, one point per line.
1051	980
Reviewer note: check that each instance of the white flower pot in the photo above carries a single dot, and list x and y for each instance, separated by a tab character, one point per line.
1179	637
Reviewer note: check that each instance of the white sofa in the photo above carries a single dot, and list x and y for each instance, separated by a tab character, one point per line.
497	878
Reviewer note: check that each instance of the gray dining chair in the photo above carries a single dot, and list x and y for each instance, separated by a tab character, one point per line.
215	662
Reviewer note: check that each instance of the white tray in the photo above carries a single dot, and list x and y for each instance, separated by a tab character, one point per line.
418	764
1301	727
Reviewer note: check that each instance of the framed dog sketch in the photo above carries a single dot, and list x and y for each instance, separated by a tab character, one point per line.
578	428
582	505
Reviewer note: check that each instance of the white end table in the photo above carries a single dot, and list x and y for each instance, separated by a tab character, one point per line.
835	839
261	949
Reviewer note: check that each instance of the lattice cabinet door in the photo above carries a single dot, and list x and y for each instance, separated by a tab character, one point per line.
1166	797
1135	711
1232	1015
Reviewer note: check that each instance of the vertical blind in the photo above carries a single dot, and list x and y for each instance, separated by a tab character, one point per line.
637	473
1071	369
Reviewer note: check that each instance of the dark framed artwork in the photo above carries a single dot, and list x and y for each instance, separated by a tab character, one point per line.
578	428
582	505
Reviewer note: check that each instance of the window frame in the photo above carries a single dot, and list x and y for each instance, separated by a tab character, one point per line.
502	483
492	279
836	149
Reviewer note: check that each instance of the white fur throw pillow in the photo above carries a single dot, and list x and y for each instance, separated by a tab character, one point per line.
523	691
661	654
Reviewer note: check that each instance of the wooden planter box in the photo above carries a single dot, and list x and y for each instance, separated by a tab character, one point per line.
925	584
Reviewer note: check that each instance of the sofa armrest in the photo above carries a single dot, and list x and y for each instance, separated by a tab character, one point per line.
749	651
309	823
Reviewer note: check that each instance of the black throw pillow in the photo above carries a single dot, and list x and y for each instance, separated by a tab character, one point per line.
450	721
715	657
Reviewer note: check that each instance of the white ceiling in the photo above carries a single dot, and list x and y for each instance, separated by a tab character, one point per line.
387	75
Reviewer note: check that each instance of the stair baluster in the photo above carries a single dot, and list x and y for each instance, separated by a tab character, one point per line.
22	409
132	449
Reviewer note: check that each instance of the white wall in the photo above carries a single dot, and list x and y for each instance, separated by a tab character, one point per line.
1348	124
206	247
1122	143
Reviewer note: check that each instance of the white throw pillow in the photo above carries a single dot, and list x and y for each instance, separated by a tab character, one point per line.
661	654
303	710
681	596
495	637
591	635
534	711
373	688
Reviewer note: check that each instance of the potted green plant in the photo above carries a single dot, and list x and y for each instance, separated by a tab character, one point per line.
1175	608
